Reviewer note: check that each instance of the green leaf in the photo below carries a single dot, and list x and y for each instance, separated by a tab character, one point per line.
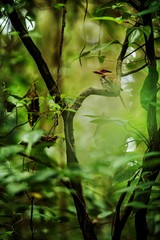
33	34
98	48
105	214
134	34
129	189
153	8
84	54
31	138
102	46
130	30
104	120
9	8
13	33
43	175
114	6
6	152
59	6
146	30
149	88
101	59
14	188
126	174
137	204
118	20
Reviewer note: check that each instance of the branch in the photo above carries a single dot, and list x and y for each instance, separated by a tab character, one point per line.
32	49
139	47
144	197
122	54
134	70
85	223
121	219
75	186
88	92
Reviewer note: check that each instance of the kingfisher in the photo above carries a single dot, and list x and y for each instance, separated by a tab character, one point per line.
109	82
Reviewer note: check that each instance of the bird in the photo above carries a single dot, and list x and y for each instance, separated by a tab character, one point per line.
110	83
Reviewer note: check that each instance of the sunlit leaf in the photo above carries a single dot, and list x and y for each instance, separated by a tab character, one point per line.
13	33
134	35
59	6
105	214
130	30
126	174
118	20
31	138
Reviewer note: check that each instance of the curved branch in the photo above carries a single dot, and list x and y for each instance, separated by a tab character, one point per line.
88	92
75	186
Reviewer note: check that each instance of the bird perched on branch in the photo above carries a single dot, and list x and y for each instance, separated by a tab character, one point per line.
109	82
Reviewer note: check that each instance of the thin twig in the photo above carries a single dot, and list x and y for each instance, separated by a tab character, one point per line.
134	70
84	31
7	134
61	40
31	215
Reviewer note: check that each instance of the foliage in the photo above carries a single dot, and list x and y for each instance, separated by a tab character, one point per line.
74	162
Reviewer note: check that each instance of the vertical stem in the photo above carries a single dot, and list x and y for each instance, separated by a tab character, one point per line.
75	186
140	216
61	40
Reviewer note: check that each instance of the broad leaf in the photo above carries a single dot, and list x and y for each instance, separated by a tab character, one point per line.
153	8
149	88
146	30
105	120
7	151
31	138
126	174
